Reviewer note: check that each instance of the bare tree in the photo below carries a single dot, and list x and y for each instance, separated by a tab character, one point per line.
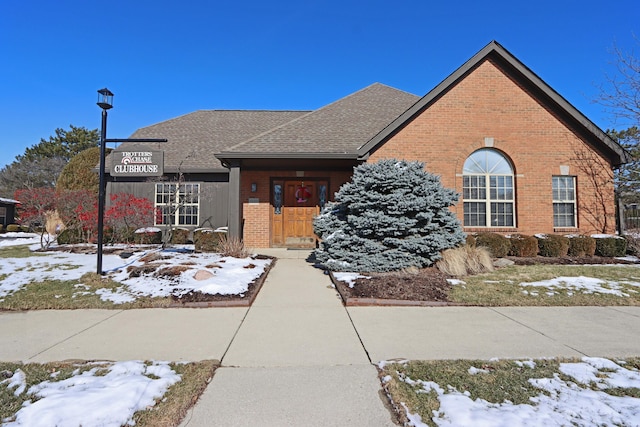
598	210
621	92
176	197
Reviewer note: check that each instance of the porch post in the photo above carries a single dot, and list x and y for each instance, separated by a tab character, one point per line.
235	214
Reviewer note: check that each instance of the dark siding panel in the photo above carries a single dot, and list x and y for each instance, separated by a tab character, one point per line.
214	204
214	198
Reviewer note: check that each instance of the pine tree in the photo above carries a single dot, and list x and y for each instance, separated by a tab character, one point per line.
391	215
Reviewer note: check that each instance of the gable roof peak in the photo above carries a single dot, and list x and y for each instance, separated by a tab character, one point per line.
519	71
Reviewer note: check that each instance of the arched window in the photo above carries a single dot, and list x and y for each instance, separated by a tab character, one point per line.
487	190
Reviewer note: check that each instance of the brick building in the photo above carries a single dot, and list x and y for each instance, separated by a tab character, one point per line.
522	158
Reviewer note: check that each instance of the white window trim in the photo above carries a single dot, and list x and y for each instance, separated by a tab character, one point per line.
488	200
176	215
566	202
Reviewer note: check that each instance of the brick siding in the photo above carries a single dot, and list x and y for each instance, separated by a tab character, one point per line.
488	104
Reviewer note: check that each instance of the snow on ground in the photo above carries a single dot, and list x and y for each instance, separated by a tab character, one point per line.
15	239
107	395
349	278
581	284
224	275
229	276
560	402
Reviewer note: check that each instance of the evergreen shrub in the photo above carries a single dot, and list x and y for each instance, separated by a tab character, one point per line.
180	236
79	173
391	215
13	228
523	245
611	246
1	228
580	246
208	240
633	244
553	245
199	232
498	245
148	237
70	236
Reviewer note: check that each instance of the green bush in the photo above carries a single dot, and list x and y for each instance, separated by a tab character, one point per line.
611	246
70	236
148	237
13	228
180	236
497	244
1	228
79	173
580	246
208	240
522	245
553	245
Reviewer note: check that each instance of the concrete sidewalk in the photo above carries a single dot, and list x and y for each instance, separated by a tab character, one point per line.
298	357
296	360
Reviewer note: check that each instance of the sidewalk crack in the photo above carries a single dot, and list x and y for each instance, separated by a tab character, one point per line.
536	331
76	334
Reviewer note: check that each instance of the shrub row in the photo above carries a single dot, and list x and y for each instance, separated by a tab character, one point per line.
550	245
16	228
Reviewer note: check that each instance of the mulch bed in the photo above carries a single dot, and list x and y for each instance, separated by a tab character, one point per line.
429	286
425	287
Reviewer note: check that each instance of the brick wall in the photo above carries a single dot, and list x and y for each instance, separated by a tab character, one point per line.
488	104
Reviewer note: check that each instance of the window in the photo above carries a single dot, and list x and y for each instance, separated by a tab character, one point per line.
564	201
3	215
178	205
487	190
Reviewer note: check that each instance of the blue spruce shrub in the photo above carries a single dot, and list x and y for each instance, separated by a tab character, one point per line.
391	215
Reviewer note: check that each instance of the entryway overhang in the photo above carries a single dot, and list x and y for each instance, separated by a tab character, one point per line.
275	161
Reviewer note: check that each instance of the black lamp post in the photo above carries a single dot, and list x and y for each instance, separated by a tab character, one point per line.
105	101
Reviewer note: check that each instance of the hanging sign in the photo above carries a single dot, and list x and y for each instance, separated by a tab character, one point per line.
137	163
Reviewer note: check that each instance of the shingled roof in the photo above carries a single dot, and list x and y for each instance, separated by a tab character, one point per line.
194	138
334	131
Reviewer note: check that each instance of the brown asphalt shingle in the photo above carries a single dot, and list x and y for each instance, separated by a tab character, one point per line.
340	127
194	138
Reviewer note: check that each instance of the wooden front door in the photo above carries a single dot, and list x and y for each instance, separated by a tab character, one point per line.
294	205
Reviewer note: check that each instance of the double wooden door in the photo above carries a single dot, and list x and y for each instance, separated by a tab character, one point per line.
295	203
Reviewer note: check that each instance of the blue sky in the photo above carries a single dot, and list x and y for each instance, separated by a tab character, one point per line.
164	58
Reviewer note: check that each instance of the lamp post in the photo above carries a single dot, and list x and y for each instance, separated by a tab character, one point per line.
105	101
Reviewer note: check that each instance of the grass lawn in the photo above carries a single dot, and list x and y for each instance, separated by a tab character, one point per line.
508	392
95	388
73	294
65	294
620	285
